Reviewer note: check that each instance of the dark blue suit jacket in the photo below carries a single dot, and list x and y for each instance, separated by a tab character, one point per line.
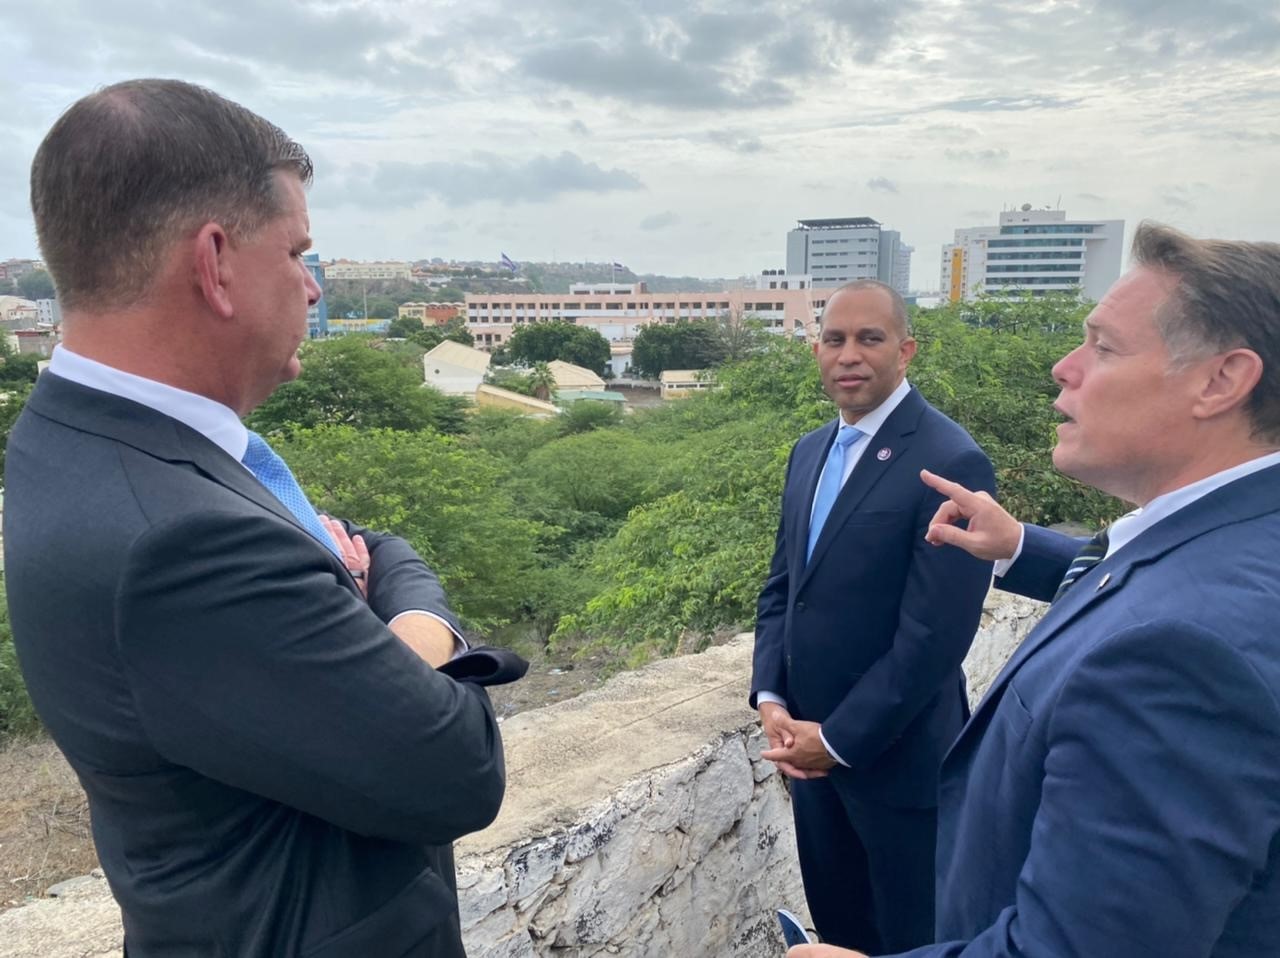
867	637
1117	792
270	771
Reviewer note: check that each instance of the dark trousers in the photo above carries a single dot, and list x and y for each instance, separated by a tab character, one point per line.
868	868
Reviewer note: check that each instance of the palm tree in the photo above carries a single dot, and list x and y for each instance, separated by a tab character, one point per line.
542	382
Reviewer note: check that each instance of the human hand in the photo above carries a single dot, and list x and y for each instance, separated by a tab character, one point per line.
772	715
992	532
355	554
822	951
800	753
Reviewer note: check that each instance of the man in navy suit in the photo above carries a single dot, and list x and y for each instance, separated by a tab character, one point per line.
1117	792
862	627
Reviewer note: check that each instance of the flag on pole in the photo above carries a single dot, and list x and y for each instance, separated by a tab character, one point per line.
509	263
618	266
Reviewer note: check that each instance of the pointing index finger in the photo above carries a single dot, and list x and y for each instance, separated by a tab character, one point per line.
952	490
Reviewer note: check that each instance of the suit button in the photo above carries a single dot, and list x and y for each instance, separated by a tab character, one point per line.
799	606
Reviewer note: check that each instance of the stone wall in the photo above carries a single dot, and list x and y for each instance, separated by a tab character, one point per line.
639	821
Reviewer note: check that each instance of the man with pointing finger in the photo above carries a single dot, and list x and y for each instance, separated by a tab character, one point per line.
1117	792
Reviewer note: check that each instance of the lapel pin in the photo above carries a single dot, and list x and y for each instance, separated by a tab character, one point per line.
884	454
1102	583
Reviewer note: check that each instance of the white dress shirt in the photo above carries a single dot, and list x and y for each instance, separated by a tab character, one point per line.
868	425
216	422
1131	525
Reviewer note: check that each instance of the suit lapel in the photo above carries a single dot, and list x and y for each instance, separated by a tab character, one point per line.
881	454
151	432
1237	501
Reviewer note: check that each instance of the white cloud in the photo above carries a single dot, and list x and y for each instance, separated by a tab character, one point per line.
564	128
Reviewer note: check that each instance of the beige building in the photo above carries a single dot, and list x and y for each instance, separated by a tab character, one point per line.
619	316
346	269
432	314
678	383
18	313
569	376
454	369
495	397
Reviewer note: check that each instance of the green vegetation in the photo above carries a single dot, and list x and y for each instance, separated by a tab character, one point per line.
631	534
696	344
17	717
545	342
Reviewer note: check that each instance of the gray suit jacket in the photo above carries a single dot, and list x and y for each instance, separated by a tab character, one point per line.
270	771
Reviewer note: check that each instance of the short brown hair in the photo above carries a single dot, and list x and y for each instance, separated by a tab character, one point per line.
127	170
1227	297
900	312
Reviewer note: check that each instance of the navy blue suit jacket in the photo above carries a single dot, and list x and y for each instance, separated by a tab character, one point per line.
1117	792
867	637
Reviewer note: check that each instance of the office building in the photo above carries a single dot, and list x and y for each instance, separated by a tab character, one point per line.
839	251
1033	251
317	315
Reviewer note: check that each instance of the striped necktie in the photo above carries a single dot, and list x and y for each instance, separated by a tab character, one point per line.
829	485
1085	559
261	460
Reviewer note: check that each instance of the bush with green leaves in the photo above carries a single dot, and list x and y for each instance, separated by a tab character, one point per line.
17	716
446	499
356	381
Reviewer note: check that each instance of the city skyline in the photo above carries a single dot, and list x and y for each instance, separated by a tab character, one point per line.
688	138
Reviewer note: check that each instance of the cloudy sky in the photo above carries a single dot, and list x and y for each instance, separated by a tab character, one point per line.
687	136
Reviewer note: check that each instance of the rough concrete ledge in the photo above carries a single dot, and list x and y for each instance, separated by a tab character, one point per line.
639	820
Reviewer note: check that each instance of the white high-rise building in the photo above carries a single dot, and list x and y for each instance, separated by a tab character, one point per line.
1035	251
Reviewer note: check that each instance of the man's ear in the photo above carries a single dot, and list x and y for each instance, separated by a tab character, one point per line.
213	268
1230	378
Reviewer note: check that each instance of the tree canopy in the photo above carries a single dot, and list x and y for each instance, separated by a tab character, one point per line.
350	381
544	342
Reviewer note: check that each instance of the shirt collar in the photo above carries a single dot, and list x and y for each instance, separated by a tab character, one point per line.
1127	528
870	424
216	422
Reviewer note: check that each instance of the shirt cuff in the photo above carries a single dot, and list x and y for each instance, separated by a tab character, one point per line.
762	697
1002	566
830	750
459	643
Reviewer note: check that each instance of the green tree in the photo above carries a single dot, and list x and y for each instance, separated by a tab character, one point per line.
588	415
17	716
349	381
686	344
544	342
404	327
447	500
13	397
36	284
541	382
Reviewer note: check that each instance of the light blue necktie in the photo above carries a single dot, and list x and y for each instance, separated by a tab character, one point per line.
830	483
262	461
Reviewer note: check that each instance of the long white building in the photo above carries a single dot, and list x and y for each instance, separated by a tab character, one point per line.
1035	251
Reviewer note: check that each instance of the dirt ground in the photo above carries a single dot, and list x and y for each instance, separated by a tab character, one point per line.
44	816
44	822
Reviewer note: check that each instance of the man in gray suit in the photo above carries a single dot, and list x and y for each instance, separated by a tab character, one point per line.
274	764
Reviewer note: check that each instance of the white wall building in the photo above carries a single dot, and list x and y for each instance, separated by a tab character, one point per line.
455	369
1035	251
